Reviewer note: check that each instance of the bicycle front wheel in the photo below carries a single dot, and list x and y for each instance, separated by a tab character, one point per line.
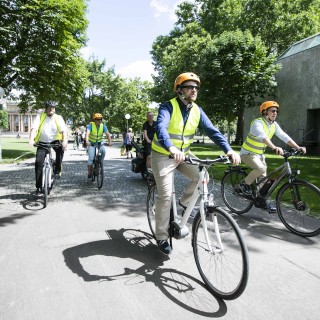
99	173
46	173
151	204
298	206
94	166
224	264
231	193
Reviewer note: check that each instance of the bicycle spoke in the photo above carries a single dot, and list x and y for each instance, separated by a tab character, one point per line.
231	193
299	208
151	200
99	169
223	265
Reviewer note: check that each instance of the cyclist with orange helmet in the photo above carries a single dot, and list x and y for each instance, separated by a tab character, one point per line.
259	137
177	122
94	137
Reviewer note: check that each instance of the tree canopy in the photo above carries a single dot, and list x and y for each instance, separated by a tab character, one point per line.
112	96
232	45
39	49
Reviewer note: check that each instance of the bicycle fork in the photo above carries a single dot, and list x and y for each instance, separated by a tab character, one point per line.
219	247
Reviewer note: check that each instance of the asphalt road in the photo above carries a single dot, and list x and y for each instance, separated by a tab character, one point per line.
89	255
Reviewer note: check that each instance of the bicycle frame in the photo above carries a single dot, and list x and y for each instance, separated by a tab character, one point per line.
206	198
47	164
283	170
97	154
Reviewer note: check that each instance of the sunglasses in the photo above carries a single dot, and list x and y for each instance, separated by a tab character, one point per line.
98	119
190	87
274	111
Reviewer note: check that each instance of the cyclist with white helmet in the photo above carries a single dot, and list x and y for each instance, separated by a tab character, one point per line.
177	122
259	137
94	137
48	127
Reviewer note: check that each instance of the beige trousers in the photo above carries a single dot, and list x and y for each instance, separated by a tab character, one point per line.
257	163
163	170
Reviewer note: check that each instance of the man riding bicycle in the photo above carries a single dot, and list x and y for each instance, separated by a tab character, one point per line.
48	127
252	152
177	122
94	137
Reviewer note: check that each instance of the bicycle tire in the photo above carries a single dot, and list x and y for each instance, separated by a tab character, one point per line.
151	201
94	165
99	172
46	172
231	195
53	170
300	215
226	270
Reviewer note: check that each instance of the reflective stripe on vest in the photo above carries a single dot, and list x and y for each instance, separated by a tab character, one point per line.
95	135
180	134
43	117
253	144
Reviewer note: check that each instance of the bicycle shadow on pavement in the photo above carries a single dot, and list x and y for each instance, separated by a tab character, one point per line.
181	288
260	224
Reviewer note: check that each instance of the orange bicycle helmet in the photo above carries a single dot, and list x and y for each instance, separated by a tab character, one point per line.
268	104
183	77
97	116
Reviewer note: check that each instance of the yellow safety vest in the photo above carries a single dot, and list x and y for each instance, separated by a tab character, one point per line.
42	119
180	134
253	144
96	135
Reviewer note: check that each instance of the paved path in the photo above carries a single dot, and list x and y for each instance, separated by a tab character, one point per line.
89	255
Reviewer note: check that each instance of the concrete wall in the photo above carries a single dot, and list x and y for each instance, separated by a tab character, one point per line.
298	95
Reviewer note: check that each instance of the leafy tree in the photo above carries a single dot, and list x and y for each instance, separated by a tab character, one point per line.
39	49
112	96
279	23
179	52
231	45
233	69
3	119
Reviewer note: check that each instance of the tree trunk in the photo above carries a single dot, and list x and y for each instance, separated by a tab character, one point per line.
240	122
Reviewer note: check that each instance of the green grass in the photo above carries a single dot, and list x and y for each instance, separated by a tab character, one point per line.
14	149
309	166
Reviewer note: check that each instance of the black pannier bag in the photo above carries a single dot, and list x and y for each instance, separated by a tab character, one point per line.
136	165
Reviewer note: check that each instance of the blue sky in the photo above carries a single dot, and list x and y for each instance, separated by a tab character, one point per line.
122	32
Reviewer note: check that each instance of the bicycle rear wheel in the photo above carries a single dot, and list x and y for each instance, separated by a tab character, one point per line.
151	204
231	192
224	266
298	205
99	173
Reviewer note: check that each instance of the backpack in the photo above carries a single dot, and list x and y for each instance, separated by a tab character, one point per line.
128	139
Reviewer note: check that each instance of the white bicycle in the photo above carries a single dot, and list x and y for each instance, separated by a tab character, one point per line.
48	169
219	248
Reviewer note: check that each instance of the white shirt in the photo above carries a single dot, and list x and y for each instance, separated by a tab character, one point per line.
49	129
257	130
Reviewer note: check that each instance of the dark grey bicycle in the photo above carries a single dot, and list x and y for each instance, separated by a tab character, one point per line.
297	201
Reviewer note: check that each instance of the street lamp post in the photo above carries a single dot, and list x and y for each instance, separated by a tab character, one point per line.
127	116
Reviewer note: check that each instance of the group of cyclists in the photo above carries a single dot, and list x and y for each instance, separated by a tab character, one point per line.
177	122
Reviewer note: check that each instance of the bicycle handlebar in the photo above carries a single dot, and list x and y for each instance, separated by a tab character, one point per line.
292	152
223	159
47	145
